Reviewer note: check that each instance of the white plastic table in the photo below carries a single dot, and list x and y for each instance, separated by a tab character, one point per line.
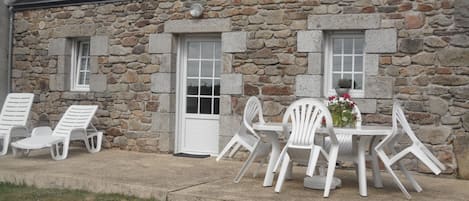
366	134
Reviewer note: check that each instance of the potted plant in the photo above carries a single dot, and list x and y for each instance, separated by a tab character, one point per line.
343	86
341	108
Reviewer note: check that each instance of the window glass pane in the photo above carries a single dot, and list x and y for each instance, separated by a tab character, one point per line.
207	50
205	105
205	87
335	79
191	105
87	78
348	46
192	87
85	49
337	63
192	68
82	78
218	50
217	68
337	46
358	64
194	50
358	81
348	76
216	106
207	69
348	64
84	64
359	45
217	87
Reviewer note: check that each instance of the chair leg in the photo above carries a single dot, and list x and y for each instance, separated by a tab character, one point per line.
397	181
259	167
313	159
20	152
59	151
246	165
410	177
429	163
233	140
283	171
6	142
330	169
93	142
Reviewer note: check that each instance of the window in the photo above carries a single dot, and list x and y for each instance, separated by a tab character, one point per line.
345	60
80	70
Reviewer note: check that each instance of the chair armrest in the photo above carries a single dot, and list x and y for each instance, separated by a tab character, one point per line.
41	131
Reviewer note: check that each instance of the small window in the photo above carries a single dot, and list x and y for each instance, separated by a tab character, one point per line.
80	65
345	60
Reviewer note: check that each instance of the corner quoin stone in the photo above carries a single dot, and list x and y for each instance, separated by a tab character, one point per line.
161	43
234	41
59	46
231	84
315	66
309	86
381	41
99	45
378	87
309	41
98	83
163	82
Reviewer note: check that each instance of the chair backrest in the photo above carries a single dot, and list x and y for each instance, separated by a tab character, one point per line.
305	116
16	109
76	116
398	117
252	109
355	110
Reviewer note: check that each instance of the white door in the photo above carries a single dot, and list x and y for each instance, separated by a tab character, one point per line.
198	95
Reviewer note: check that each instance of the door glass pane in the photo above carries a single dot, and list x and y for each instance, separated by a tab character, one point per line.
207	69
207	50
192	68
216	106
358	81
191	105
87	77
337	46
83	63
335	79
358	64
82	78
337	63
217	68
194	49
348	64
348	46
205	105
359	46
85	50
206	87
218	50
192	86
216	91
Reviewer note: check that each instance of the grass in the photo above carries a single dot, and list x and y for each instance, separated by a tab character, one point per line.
11	192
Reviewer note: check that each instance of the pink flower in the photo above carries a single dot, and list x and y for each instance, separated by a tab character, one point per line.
346	96
331	98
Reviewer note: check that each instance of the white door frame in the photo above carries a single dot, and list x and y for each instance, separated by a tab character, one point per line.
181	83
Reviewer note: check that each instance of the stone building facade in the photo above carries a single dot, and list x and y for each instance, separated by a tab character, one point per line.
3	52
416	52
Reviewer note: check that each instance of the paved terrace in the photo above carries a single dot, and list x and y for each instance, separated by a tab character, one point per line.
166	177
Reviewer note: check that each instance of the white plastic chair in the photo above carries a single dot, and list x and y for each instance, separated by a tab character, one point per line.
74	125
248	138
14	117
347	150
417	148
306	116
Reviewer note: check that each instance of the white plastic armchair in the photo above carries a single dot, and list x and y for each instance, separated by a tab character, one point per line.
248	138
14	117
306	116
416	148
74	125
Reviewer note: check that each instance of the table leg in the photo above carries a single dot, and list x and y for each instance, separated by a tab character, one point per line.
363	143
378	181
269	175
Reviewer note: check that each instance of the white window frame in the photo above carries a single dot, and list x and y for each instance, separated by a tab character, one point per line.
76	55
329	90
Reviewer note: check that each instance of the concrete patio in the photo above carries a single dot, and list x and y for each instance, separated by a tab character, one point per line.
166	177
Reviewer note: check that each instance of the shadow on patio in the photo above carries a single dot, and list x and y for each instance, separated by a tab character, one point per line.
166	177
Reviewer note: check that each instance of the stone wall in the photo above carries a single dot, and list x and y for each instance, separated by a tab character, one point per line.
424	65
4	23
